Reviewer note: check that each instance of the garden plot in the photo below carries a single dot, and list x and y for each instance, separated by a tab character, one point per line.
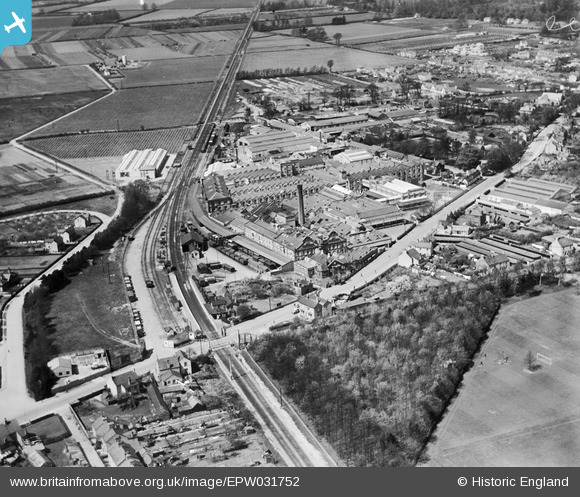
27	182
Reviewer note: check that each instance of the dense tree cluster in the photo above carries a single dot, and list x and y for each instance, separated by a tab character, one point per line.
90	18
291	5
137	203
376	384
37	343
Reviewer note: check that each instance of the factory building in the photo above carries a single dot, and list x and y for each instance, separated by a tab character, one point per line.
142	164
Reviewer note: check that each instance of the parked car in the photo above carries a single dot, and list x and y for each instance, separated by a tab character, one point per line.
149	284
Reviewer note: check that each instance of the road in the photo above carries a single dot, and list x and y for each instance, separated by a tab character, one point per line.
14	393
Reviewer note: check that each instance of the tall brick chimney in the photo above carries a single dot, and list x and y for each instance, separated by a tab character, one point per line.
301	217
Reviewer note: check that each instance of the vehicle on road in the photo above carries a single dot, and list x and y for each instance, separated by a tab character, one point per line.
149	284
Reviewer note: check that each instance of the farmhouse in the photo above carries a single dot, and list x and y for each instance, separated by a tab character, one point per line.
142	164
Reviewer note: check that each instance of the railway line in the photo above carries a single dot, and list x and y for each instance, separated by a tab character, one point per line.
291	444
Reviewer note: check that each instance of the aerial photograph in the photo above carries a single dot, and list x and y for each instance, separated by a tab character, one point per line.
290	233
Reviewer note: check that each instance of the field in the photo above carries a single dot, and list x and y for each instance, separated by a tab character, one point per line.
66	53
137	109
357	33
210	4
111	144
431	41
167	15
100	167
113	4
20	57
506	415
27	182
173	72
67	33
261	55
49	80
90	312
20	115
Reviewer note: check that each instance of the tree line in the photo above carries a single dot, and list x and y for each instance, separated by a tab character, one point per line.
277	73
498	10
90	18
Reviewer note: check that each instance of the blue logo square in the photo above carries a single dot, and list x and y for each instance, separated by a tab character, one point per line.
15	22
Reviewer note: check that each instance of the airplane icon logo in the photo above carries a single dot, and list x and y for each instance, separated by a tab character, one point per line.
17	23
15	14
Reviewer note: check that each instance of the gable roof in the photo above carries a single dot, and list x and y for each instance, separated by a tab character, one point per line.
124	379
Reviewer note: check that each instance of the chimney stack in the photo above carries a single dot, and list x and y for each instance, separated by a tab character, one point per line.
300	206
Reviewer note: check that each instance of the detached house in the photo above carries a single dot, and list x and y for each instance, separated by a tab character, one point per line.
54	245
82	221
562	246
67	235
489	263
61	366
123	384
409	258
310	310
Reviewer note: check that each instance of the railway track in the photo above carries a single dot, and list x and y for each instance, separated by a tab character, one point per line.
289	441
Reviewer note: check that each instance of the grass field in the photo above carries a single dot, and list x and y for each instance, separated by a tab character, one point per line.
506	415
48	81
65	33
100	167
261	54
137	109
358	32
113	4
27	182
173	72
112	144
92	312
20	115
